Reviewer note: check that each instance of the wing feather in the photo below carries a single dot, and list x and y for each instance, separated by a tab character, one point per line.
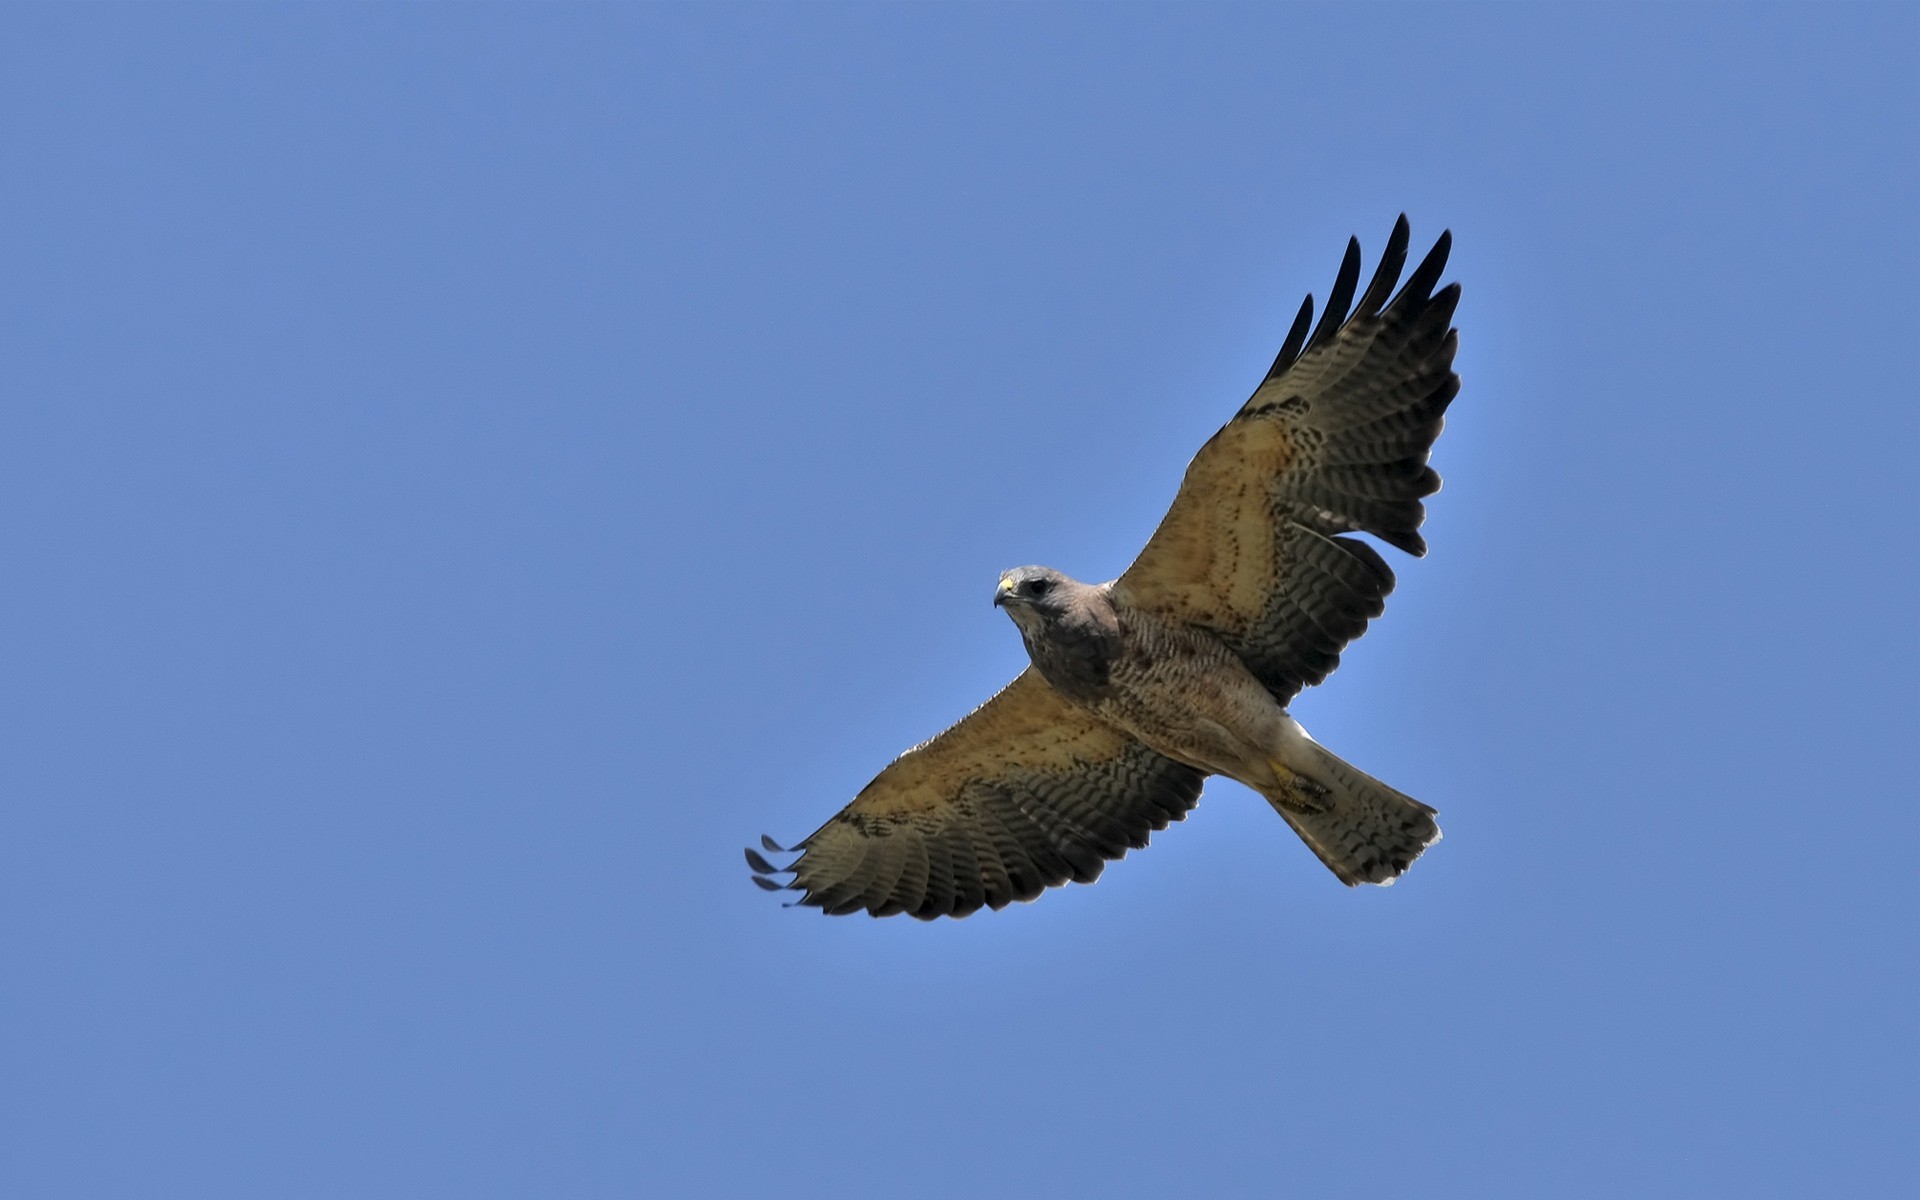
969	891
1341	296
914	878
1033	865
943	889
1334	441
1296	338
1388	272
1025	794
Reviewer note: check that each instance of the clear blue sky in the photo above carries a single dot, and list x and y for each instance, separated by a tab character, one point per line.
465	472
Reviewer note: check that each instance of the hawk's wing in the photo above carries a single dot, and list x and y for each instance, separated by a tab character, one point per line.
1334	440
1025	793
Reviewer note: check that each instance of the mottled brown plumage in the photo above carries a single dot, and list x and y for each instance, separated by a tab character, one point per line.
1183	666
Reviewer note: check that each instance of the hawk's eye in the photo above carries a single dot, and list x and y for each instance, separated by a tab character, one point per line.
1039	587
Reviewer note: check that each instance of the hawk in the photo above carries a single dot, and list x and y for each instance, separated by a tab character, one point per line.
1183	667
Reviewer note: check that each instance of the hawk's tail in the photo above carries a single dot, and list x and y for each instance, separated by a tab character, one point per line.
1365	831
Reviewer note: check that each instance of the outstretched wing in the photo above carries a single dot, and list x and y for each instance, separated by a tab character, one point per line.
1333	441
1025	793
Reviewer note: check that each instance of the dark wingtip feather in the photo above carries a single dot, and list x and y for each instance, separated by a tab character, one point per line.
766	883
768	843
1340	297
1388	272
1403	539
760	864
1296	338
1420	283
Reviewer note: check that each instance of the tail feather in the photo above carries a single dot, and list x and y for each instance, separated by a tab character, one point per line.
1365	831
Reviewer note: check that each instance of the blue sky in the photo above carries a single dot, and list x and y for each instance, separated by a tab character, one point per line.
465	472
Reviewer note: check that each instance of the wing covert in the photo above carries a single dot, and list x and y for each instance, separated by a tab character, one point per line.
1025	793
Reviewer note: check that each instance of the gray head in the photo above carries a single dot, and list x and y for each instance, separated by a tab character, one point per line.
1034	596
1069	627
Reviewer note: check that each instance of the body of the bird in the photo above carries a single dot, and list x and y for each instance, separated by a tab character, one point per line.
1186	665
1183	691
1176	688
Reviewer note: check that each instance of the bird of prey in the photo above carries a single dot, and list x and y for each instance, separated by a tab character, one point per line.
1183	667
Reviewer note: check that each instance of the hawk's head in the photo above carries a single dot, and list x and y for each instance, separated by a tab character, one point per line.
1033	596
1070	628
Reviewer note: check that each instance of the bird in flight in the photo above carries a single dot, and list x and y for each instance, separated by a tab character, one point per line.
1183	667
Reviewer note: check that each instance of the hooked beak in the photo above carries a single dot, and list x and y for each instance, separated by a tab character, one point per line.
1003	593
